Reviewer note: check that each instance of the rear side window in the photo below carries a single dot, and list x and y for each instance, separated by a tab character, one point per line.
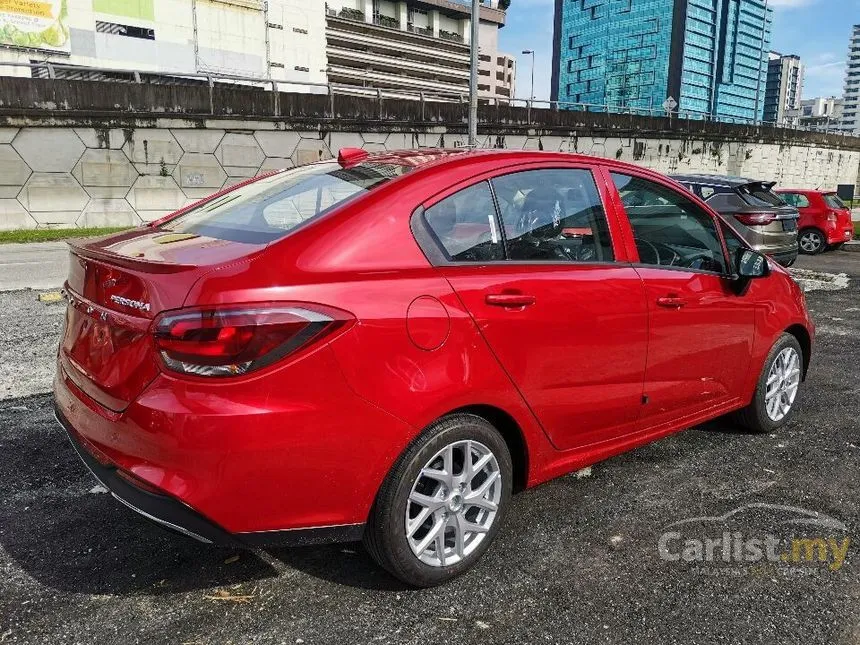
833	201
797	200
266	210
464	225
758	194
553	215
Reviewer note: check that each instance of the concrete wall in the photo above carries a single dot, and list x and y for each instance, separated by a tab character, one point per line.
64	162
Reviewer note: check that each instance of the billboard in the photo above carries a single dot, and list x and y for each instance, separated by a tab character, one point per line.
36	24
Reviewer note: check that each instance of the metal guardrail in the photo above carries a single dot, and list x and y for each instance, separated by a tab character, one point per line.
63	71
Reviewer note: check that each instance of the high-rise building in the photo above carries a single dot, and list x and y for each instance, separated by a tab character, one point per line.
297	45
419	45
710	56
783	89
851	95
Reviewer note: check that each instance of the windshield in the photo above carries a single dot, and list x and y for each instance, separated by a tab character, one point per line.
833	201
266	210
757	194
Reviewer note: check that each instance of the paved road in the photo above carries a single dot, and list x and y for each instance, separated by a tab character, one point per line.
577	560
33	266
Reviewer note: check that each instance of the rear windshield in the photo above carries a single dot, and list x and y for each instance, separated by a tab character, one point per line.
757	194
266	210
833	201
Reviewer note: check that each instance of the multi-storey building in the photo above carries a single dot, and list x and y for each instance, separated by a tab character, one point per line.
820	111
418	45
710	56
851	95
783	89
298	44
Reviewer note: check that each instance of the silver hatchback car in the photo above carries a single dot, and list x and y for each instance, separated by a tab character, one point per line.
760	215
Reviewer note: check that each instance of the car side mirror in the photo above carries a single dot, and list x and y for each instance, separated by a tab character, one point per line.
750	264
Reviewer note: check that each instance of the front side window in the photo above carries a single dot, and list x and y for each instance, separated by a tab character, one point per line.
668	228
464	225
553	215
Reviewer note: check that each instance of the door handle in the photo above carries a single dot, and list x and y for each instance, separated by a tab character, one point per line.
510	300
671	302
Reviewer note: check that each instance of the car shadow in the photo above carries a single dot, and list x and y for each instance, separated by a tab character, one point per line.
343	564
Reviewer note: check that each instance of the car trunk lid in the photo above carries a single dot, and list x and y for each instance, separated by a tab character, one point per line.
116	286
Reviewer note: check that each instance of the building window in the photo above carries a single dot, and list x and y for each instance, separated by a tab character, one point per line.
299	30
483	88
125	30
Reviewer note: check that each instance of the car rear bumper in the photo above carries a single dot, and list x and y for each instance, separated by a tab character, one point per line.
290	460
840	234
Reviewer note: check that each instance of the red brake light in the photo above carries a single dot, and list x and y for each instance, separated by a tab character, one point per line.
232	341
756	219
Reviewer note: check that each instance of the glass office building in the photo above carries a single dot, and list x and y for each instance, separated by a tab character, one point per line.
709	55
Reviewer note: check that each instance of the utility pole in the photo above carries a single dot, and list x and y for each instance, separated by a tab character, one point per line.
473	76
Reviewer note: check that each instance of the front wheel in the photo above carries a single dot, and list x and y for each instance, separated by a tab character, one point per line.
443	503
777	389
811	241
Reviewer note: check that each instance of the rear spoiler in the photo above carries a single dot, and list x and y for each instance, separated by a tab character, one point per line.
87	252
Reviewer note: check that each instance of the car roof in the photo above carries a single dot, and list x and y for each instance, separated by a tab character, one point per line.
425	158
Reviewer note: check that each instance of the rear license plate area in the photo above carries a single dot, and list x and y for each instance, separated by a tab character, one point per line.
789	225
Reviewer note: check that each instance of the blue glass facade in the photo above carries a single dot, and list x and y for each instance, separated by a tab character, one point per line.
710	55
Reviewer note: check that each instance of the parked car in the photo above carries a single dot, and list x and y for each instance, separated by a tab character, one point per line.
384	347
764	220
825	221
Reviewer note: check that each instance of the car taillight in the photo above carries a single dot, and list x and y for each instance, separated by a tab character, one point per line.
756	219
832	216
231	341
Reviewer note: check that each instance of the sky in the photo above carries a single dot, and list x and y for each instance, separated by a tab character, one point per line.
816	30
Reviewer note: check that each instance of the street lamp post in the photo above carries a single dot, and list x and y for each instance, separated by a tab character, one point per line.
473	76
532	93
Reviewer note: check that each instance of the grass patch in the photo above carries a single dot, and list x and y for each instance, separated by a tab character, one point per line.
53	234
857	230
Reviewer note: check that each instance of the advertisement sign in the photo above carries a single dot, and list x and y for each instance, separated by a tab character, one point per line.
34	24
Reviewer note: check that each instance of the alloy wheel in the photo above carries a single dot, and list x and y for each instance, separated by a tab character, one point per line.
811	242
783	381
453	503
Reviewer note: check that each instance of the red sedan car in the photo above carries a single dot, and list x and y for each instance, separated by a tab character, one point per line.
825	221
386	346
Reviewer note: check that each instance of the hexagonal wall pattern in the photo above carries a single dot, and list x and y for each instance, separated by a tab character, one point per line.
53	199
240	154
106	174
49	149
94	176
14	172
199	174
108	212
152	147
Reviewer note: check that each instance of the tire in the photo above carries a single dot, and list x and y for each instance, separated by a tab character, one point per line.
385	536
757	416
811	241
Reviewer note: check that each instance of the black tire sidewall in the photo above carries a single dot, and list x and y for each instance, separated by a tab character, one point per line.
391	504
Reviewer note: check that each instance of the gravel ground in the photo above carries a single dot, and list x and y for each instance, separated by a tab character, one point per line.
576	561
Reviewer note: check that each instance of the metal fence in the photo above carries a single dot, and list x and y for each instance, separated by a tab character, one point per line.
54	70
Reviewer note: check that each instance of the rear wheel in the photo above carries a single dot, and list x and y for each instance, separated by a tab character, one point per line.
777	389
811	241
441	506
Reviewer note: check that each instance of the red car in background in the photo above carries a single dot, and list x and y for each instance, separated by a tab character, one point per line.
384	347
825	221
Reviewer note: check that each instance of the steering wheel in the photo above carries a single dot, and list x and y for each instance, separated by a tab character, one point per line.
700	262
